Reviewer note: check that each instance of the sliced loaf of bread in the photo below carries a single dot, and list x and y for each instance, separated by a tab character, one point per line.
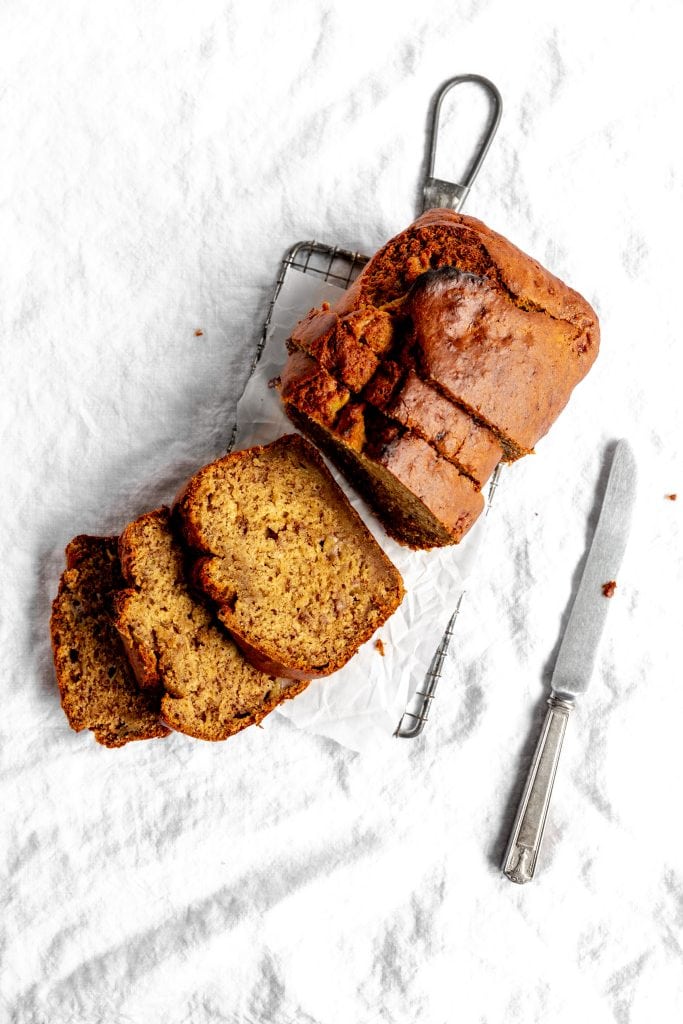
97	685
175	642
297	577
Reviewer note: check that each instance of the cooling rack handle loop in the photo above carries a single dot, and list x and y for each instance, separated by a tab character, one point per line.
437	192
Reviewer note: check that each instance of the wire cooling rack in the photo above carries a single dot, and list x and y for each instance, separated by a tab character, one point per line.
334	265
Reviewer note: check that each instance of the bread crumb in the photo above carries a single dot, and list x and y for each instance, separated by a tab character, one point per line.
325	306
198	333
671	497
609	588
379	646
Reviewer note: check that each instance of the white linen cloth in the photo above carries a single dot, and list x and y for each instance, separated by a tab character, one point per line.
157	162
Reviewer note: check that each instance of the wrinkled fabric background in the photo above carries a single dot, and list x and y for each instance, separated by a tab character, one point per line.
157	162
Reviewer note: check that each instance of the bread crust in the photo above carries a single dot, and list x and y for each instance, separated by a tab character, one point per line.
454	434
513	369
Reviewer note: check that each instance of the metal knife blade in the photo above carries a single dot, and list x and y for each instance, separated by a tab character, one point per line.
576	657
574	665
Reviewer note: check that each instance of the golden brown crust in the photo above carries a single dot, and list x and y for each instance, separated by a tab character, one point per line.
443	238
514	369
524	277
454	434
334	344
313	387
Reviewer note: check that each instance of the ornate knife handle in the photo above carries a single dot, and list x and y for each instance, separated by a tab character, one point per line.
527	831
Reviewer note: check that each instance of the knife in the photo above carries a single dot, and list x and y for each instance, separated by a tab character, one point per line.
575	660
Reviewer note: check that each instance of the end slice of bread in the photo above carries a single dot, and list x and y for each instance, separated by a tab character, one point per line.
174	640
297	577
97	685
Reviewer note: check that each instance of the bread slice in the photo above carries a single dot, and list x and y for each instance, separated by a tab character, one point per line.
97	686
421	499
175	641
297	578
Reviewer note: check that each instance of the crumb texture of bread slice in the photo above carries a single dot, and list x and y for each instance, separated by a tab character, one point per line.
97	685
210	691
297	577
